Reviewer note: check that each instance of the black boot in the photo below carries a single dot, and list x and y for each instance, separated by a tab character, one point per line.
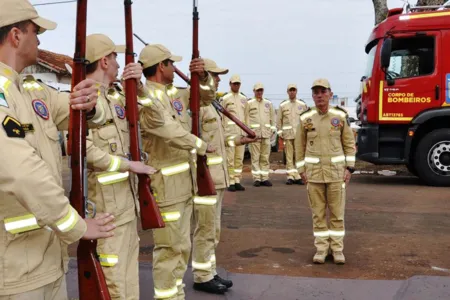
239	187
298	181
232	188
290	182
266	183
225	282
257	183
213	287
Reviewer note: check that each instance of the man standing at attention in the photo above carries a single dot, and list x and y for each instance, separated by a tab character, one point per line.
288	118
325	156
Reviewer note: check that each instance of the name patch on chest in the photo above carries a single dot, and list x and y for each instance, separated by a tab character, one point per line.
120	111
41	109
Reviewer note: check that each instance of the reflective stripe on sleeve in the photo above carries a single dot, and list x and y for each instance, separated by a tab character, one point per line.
108	260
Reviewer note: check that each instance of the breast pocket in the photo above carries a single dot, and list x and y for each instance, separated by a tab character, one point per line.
335	138
107	139
53	135
312	142
209	128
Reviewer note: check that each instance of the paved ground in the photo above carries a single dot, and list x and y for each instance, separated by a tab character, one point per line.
395	229
267	287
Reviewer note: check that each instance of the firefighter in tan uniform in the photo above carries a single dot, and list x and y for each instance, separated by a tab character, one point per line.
207	212
166	126
260	116
36	219
111	185
325	157
287	121
235	102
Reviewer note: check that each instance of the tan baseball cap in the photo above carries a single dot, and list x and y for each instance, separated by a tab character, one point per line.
211	66
291	86
14	11
99	45
321	82
258	86
156	53
235	78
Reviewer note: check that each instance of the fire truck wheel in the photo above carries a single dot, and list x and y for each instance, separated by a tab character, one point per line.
432	159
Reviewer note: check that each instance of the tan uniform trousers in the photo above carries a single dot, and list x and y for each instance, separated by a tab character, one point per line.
218	220
260	153
53	291
292	172
119	259
331	197
203	240
235	160
172	250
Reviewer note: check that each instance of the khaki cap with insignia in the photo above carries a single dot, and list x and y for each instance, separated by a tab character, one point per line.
258	86
14	11
212	67
235	78
321	82
291	86
99	45
156	53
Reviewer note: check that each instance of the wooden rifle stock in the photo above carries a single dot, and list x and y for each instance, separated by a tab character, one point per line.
91	280
150	214
205	182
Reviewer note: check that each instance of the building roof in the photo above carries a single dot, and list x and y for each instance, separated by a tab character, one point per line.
54	61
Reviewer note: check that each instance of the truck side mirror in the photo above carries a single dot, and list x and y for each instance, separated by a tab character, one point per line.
386	50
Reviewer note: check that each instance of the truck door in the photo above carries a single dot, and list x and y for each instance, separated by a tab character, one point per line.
413	79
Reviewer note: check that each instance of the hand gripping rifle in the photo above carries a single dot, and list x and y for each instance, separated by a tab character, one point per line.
215	103
150	214
91	280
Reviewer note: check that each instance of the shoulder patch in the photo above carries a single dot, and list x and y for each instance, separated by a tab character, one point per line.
3	101
13	128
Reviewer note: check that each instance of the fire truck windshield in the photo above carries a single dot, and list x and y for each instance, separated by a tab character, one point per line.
370	61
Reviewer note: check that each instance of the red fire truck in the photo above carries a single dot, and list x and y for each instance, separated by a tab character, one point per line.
404	109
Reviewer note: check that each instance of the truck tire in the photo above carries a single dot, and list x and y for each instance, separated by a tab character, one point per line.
432	158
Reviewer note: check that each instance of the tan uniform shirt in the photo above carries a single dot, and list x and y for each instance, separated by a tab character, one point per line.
235	103
213	133
110	184
288	117
37	221
165	125
260	116
324	145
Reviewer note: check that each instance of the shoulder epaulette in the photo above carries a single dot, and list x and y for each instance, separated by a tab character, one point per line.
243	94
342	109
43	83
339	111
304	112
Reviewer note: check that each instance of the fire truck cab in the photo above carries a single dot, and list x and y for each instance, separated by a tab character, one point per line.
404	110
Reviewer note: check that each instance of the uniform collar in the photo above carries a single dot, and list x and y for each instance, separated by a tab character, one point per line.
292	100
157	85
10	73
